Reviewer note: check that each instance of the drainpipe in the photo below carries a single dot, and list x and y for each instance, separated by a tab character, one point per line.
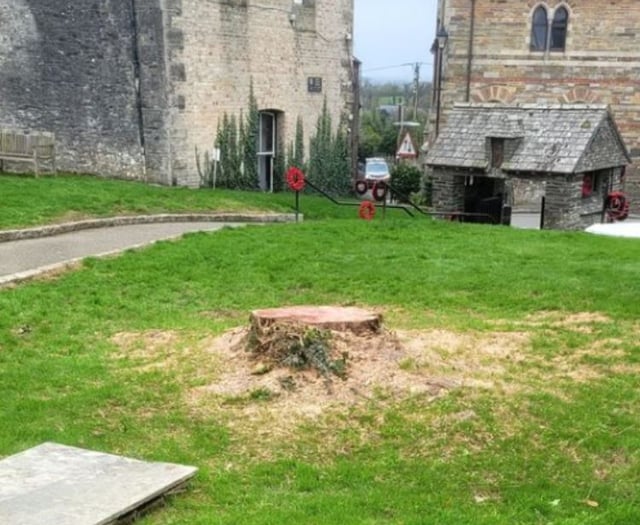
472	29
441	42
355	121
439	88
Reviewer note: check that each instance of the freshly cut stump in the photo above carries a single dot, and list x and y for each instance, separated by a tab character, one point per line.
340	319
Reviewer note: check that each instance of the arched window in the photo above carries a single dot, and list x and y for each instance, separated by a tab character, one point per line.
539	28
559	29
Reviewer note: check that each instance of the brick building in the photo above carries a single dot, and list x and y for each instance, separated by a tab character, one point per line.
542	52
131	88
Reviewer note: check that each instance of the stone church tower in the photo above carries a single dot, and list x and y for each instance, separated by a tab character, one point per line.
547	52
132	87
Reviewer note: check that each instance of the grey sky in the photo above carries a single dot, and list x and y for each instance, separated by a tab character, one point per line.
394	32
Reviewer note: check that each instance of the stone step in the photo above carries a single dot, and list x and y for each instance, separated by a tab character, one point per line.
64	485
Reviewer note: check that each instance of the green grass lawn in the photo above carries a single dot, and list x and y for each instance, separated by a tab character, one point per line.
30	202
537	345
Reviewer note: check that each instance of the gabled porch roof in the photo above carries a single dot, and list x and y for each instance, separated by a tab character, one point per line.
559	139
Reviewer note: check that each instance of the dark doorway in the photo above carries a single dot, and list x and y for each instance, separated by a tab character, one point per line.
266	149
484	199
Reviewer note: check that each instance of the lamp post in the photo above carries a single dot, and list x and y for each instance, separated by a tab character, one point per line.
441	41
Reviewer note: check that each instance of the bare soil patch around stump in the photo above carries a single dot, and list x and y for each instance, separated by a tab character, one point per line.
261	398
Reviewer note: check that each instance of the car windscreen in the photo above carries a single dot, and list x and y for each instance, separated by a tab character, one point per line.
377	168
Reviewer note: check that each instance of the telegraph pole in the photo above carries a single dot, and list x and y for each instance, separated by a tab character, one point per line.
416	89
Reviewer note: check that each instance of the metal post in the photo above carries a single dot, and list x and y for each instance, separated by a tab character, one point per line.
416	87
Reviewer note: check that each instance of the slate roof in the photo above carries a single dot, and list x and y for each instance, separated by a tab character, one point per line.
550	139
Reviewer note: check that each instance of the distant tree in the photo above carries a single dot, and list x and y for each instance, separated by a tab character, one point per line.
372	95
378	135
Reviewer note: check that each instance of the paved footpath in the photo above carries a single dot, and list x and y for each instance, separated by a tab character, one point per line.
26	258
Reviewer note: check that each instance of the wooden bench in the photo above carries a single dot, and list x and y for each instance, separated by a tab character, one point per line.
31	147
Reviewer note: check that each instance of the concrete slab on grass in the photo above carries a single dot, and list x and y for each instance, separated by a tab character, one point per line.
63	485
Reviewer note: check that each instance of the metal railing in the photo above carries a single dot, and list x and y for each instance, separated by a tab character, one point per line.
407	207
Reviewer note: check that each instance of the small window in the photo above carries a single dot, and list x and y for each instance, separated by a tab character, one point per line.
595	183
539	29
587	185
497	152
559	30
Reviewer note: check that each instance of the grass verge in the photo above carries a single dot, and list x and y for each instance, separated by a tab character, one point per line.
30	202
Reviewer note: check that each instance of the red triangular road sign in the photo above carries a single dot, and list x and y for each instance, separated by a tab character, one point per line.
407	149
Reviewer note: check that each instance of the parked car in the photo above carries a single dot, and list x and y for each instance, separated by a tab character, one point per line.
376	170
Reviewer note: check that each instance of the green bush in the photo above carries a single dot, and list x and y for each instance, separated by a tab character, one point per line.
405	180
329	166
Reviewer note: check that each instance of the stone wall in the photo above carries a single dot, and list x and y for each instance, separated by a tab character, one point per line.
601	62
67	67
152	45
275	45
447	190
565	207
132	87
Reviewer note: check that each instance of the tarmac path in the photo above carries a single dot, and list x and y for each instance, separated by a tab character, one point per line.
27	258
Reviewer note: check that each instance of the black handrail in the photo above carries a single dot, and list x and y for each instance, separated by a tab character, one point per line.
453	215
347	203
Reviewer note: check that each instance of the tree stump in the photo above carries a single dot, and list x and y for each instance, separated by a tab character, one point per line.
301	337
340	319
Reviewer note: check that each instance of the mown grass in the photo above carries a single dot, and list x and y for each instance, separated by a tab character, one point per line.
30	202
548	443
